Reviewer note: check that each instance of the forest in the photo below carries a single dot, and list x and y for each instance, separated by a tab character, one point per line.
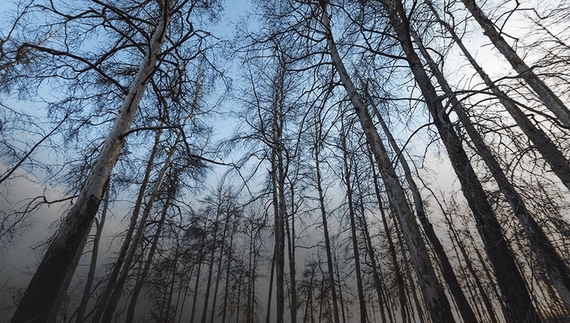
284	161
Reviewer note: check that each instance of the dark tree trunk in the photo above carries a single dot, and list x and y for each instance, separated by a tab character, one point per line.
509	278
352	216
434	295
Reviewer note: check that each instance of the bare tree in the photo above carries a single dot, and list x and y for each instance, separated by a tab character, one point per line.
45	288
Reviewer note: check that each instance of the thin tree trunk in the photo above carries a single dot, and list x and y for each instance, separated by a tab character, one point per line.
509	278
402	298
278	183
211	267
154	244
185	293
434	295
270	293
219	272
340	295
46	285
454	235
228	267
352	217
290	231
411	284
378	285
324	221
197	286
550	100
473	272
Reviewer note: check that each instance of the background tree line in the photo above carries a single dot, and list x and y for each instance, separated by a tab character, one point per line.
379	169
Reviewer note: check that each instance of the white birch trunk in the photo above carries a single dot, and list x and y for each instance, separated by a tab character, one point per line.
40	297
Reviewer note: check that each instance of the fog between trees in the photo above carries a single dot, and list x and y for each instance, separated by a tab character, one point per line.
305	161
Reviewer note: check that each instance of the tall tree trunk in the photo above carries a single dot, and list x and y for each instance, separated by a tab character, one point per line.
434	295
550	100
446	269
211	266
197	285
509	278
219	272
402	298
228	268
376	276
411	284
46	285
270	293
324	220
278	182
154	244
554	264
186	288
468	263
290	230
352	216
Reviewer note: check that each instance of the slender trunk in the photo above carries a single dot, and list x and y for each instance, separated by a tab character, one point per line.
211	267
324	220
228	268
185	293
290	230
391	248
352	217
197	286
309	303
340	295
550	100
218	274
93	265
249	306
142	278
434	295
278	182
137	238
238	310
454	235
170	314
270	293
41	295
411	284
473	273
376	276
509	278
